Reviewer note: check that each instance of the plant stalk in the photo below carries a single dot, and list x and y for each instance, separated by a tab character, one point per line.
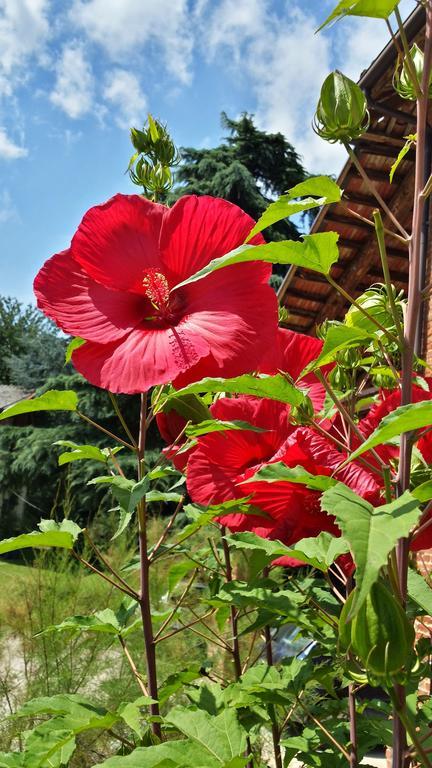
234	624
410	331
145	604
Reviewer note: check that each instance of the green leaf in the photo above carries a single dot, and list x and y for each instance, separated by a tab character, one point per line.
171	754
71	347
377	9
53	400
12	760
167	496
318	551
317	252
49	748
213	425
277	472
131	713
273	387
221	737
410	140
124	519
371	532
423	492
102	621
420	591
178	571
65	525
55	538
127	492
323	188
80	452
403	419
338	338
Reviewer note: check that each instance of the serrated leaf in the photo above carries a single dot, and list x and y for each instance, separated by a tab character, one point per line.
53	400
80	452
277	472
221	737
124	519
74	344
406	418
371	532
323	189
317	252
318	551
213	425
46	748
273	387
102	621
377	9
172	754
61	539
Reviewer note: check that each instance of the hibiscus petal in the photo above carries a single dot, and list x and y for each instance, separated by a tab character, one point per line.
236	315
198	229
82	307
142	360
118	241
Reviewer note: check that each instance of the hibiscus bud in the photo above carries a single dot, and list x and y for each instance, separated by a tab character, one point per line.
302	414
377	304
339	379
342	113
403	81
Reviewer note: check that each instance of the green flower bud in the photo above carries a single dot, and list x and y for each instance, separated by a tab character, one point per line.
302	414
376	302
342	113
380	634
402	80
339	379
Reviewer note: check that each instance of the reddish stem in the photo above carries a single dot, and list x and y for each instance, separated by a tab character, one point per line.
145	604
411	324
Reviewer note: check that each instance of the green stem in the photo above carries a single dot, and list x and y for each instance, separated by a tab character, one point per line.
379	229
351	300
408	60
373	190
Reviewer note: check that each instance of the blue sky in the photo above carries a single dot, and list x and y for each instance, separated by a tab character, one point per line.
75	74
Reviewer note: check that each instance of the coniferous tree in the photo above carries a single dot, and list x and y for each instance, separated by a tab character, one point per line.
249	168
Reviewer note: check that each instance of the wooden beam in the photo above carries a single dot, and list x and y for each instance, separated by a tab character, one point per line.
398	277
386	138
383	150
364	264
306	296
375	174
349	221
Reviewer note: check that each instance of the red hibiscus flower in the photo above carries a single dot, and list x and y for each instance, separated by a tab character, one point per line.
115	288
222	460
292	353
387	402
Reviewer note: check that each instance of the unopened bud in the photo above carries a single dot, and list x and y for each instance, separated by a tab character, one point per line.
403	80
342	113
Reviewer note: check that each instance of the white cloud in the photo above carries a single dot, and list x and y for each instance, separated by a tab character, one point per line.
8	149
24	30
73	90
8	211
123	92
122	27
285	62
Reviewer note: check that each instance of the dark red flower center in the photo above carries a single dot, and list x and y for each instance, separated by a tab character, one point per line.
166	306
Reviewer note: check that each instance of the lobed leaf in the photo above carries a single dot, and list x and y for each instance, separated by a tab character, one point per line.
406	418
371	532
213	425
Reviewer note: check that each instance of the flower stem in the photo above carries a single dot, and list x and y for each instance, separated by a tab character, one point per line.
411	325
379	229
144	600
272	709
